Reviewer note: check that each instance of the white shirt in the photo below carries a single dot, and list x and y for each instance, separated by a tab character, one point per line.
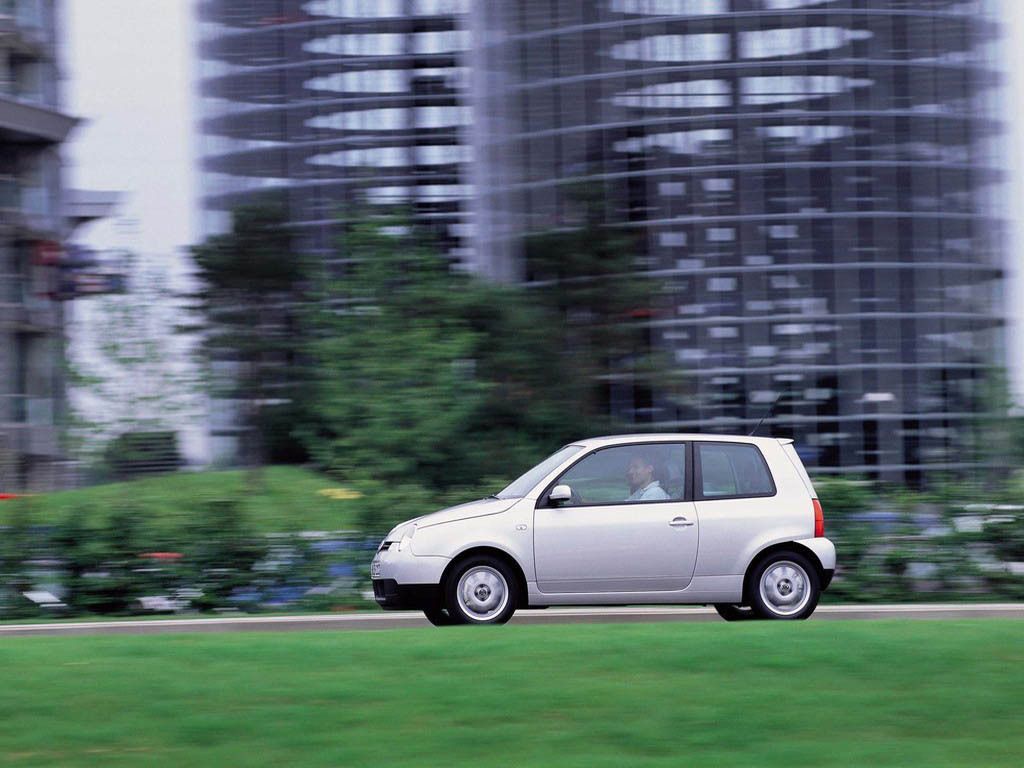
650	492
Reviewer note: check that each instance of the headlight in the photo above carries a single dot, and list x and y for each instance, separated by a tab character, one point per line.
406	537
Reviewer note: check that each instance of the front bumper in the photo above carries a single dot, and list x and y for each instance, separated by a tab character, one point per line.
392	596
404	581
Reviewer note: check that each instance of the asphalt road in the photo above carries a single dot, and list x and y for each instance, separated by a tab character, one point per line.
404	619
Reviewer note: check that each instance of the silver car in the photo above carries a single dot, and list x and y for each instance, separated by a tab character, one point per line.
732	522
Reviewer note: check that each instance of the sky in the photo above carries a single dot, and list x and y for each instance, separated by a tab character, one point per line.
130	68
128	75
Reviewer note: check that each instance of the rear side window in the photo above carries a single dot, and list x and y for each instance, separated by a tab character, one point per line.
732	470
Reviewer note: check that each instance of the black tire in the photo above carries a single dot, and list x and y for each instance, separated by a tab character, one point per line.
438	616
491	593
793	595
731	612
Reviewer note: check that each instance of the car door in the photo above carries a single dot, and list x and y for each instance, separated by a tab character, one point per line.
619	533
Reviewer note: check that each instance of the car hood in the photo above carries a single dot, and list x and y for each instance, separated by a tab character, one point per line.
478	508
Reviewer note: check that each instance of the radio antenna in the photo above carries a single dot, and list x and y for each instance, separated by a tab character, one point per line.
771	410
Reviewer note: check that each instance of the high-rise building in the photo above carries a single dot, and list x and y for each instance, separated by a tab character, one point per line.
32	229
813	184
324	104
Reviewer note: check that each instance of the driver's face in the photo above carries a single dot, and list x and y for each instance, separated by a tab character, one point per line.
639	473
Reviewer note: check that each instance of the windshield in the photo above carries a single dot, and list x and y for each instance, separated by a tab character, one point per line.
519	488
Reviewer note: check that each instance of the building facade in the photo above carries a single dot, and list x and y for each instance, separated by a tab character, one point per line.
326	104
32	230
812	183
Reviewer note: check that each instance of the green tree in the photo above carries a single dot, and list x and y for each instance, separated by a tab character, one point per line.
19	542
430	377
81	548
844	502
998	437
253	286
222	553
427	376
397	389
587	274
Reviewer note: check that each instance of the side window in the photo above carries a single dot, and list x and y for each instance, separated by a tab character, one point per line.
628	474
730	470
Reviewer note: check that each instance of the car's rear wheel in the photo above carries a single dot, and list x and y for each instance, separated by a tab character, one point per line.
481	590
731	612
784	585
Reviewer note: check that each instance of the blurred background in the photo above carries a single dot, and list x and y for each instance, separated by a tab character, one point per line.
277	274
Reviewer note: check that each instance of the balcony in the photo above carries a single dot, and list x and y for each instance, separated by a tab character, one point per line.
28	123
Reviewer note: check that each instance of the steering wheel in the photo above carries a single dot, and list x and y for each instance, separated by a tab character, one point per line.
574	498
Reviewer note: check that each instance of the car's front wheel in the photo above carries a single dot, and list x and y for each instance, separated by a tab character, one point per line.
784	585
481	590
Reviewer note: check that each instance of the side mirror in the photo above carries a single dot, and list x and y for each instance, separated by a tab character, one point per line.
559	494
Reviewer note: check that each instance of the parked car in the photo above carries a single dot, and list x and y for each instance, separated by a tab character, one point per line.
732	522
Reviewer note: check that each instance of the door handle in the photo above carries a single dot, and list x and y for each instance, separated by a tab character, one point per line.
680	522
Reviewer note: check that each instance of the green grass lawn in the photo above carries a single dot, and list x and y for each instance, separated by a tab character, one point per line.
278	499
874	694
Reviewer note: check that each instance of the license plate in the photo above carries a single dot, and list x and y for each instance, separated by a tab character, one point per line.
375	568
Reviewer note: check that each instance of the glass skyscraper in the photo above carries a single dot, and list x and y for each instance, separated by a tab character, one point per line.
812	182
327	103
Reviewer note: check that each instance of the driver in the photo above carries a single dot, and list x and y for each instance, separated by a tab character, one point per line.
642	485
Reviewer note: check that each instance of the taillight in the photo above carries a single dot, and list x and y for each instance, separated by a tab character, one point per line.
819	520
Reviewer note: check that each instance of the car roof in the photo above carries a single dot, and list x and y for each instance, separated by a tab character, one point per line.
666	437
